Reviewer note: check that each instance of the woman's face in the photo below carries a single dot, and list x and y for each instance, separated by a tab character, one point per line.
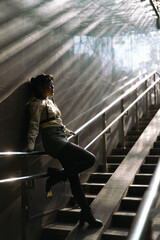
48	90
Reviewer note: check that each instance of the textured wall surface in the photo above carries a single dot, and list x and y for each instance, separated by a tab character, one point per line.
91	47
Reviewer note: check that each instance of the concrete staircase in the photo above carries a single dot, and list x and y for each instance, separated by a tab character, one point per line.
68	216
123	216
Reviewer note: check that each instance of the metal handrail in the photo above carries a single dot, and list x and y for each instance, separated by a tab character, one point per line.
123	113
132	89
24	178
124	95
21	154
141	221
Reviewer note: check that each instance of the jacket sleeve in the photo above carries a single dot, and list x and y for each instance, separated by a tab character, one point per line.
35	115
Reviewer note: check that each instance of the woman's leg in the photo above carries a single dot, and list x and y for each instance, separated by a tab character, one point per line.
77	191
75	159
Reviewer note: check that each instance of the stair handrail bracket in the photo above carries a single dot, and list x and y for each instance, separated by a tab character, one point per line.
141	225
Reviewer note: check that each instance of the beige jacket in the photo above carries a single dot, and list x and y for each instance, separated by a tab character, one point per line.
38	113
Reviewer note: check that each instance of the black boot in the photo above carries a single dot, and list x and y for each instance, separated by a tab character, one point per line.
55	176
86	215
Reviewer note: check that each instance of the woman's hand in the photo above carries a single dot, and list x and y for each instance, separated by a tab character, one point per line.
68	132
28	149
72	133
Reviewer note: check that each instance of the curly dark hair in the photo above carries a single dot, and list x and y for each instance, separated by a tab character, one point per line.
40	81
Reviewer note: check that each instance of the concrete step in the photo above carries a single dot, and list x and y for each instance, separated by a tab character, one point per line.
129	144
156	144
139	126
115	158
154	108
143	178
57	231
68	215
136	190
115	234
122	219
120	151
147	168
99	177
111	167
130	204
92	188
90	197
151	159
154	151
131	138
145	121
147	118
134	132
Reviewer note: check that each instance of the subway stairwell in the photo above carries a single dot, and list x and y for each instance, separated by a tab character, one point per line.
122	218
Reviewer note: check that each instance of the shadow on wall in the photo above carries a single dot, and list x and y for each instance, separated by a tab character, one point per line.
14	120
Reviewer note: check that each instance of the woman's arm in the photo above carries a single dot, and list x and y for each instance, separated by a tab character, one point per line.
35	115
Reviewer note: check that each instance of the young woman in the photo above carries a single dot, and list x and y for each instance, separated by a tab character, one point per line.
46	117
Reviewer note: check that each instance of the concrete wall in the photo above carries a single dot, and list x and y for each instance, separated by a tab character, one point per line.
92	48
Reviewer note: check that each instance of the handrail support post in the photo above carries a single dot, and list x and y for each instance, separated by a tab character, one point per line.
155	95
137	117
122	125
147	111
24	201
148	235
76	139
104	147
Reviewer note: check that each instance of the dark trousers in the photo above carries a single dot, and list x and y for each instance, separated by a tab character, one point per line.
74	160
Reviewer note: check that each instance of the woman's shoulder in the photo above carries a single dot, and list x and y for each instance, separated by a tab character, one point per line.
35	102
35	105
